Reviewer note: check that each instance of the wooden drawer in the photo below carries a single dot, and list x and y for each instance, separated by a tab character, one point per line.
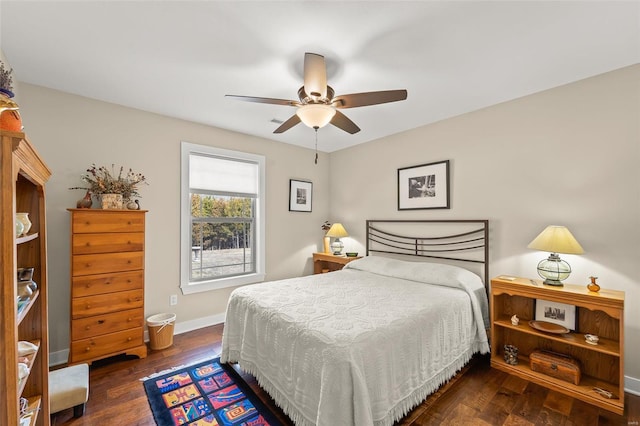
107	221
104	324
107	243
112	343
82	307
90	264
89	285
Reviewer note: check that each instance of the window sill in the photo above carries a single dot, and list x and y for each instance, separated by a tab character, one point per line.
202	286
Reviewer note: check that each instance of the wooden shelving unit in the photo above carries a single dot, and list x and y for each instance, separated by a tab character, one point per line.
601	313
23	175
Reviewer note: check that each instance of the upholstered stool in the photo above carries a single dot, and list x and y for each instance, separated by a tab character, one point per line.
69	387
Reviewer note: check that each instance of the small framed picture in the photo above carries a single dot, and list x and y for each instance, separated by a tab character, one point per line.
300	195
557	313
424	187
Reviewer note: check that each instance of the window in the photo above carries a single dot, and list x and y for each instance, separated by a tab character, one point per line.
222	218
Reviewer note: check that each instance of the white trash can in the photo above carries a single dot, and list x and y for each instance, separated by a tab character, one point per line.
161	330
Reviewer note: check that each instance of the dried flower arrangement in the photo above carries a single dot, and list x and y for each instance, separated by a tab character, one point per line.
326	226
6	81
101	180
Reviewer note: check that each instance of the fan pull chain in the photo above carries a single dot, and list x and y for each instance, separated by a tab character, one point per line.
316	162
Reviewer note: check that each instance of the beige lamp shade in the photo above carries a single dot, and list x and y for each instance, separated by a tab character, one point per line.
316	115
556	239
337	231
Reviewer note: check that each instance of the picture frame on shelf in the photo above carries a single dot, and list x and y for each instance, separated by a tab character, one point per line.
425	186
300	195
556	313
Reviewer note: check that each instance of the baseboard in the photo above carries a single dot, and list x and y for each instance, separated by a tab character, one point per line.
61	357
632	385
186	326
58	358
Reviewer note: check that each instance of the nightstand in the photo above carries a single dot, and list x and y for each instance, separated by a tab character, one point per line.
327	262
601	313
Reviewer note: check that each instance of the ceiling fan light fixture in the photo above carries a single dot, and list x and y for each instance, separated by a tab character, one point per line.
316	115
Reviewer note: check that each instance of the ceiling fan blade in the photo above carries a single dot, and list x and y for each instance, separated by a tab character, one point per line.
264	100
369	98
315	75
288	124
343	122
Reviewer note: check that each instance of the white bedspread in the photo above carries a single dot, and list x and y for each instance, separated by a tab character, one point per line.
356	347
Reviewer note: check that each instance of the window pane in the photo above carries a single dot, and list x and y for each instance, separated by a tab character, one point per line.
221	249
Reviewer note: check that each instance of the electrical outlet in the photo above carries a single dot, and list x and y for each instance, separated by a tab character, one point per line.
173	300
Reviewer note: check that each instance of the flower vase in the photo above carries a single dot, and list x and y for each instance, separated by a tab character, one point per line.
111	201
9	114
26	223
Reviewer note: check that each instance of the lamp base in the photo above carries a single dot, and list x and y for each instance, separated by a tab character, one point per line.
553	282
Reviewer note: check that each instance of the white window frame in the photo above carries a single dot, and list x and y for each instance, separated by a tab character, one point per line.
190	287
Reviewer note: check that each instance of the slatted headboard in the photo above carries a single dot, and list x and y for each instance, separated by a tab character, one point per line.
449	241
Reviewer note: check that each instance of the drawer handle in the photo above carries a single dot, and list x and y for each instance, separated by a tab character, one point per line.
129	223
87	349
129	281
88	285
107	282
554	367
88	265
128	242
129	261
129	339
88	306
87	328
100	321
88	244
129	319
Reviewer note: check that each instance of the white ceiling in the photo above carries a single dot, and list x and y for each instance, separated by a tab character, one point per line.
179	58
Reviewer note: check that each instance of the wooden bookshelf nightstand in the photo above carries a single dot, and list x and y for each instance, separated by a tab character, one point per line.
599	313
327	262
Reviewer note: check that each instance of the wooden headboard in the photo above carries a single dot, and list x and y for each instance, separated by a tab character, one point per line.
450	241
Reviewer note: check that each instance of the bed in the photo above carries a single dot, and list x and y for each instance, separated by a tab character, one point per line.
365	345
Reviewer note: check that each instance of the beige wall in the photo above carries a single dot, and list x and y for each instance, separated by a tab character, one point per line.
564	156
72	132
568	156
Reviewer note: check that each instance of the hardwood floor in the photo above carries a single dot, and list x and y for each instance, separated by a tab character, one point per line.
480	396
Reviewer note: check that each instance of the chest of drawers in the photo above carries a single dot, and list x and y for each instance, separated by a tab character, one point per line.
107	284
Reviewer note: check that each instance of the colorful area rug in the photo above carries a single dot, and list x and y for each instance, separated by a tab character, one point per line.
206	394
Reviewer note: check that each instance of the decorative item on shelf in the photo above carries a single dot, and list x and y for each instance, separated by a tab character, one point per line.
591	339
593	285
515	320
337	231
131	204
326	240
104	182
111	201
85	202
556	365
9	115
351	254
511	354
19	228
26	275
555	239
26	222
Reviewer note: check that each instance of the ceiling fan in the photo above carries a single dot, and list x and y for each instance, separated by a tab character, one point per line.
317	105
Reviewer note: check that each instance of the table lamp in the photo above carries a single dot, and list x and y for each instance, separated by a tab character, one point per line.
555	239
337	231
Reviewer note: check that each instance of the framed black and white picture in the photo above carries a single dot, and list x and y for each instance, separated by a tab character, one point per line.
556	313
300	195
424	187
